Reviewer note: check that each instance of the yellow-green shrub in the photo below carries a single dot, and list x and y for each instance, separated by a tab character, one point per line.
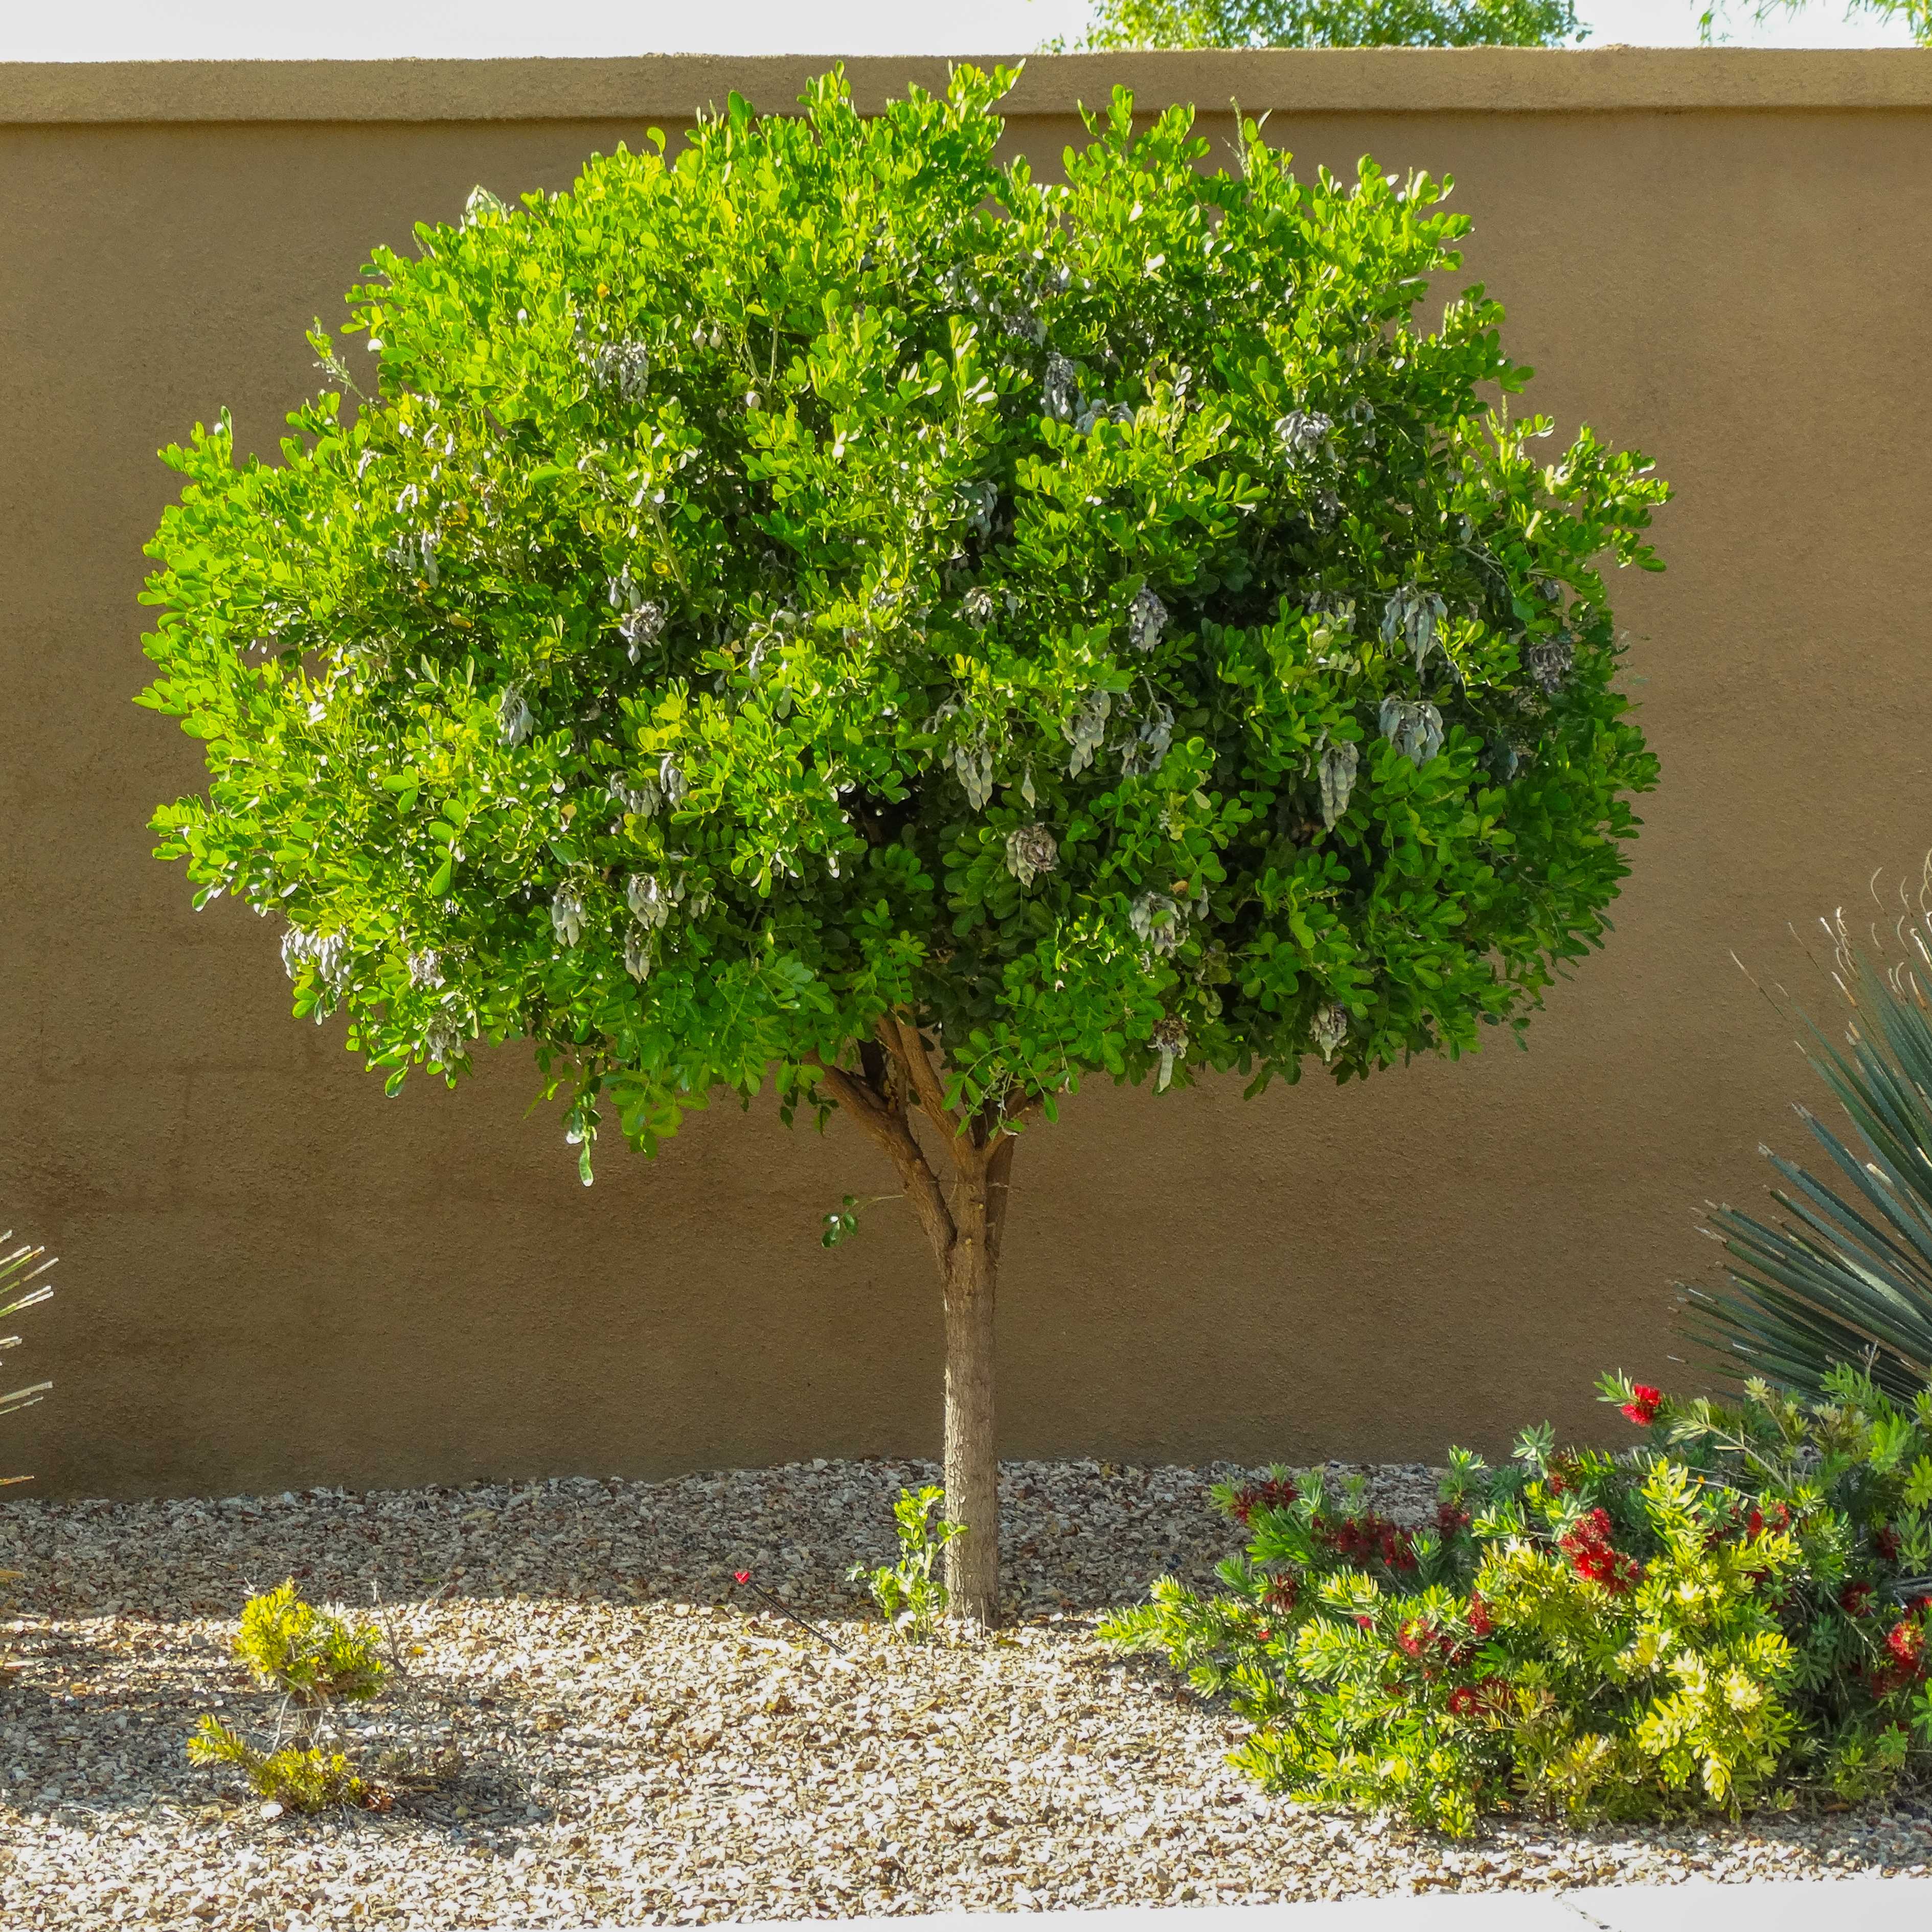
1723	1614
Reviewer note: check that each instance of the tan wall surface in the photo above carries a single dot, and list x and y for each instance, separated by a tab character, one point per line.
273	1277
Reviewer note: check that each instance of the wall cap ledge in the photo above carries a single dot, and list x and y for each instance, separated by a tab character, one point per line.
1380	80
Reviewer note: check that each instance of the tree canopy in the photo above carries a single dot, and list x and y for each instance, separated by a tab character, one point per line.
832	573
1333	23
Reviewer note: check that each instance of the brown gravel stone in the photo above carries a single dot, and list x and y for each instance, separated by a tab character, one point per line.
640	1741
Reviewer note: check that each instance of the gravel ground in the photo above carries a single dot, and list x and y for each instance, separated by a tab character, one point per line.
624	1737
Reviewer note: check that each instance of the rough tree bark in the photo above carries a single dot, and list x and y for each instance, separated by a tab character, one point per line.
964	1216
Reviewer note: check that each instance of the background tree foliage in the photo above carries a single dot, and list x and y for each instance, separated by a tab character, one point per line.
1332	23
831	606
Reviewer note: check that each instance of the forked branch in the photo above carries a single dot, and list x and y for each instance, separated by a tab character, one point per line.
885	1124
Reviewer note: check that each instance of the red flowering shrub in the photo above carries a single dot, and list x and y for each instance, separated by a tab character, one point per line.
1643	1404
1587	1544
1721	1613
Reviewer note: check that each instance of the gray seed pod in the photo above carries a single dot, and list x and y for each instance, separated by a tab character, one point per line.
515	720
1337	773
1031	849
1329	1029
566	914
1146	620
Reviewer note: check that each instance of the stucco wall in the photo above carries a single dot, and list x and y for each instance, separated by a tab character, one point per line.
273	1277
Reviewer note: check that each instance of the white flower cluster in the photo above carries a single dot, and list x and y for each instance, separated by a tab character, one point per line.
977	607
328	953
443	1040
426	971
415	556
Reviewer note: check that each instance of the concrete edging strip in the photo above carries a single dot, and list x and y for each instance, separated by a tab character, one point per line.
1873	1905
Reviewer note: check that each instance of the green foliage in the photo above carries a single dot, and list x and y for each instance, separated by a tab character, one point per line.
831	575
314	1658
1333	23
910	1598
1714	22
1848	1277
301	1779
19	1271
1731	1612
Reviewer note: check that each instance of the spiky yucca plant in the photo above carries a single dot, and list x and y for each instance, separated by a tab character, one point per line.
18	1273
1846	1276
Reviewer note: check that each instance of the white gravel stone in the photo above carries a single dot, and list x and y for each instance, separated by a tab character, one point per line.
628	1737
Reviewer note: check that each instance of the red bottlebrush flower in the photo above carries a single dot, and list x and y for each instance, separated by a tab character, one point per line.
1907	1642
1463	1702
1451	1521
1855	1599
1646	1401
742	1576
1272	1494
1281	1594
1264	1635
1415	1637
1885	1540
1480	1625
1593	1556
1365	1622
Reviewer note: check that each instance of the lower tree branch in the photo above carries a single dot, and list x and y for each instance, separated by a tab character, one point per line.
885	1125
901	1037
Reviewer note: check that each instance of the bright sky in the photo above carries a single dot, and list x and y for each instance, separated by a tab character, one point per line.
272	29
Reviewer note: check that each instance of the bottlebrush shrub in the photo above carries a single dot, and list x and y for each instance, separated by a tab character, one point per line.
1735	1609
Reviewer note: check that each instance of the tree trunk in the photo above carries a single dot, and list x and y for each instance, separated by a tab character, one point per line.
972	1455
964	1220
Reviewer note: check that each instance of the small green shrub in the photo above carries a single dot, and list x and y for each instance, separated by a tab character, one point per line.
297	1777
314	1659
909	1597
1730	1613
